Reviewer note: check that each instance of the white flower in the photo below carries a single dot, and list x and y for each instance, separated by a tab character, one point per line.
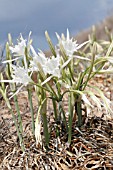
52	66
20	75
37	58
19	49
49	65
70	46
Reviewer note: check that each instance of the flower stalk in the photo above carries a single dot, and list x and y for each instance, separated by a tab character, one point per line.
91	65
78	108
70	119
32	111
45	122
19	115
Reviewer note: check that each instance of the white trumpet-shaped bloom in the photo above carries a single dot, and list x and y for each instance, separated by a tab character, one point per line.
70	46
52	66
49	65
37	58
19	49
20	75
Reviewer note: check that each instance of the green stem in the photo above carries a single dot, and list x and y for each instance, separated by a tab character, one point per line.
45	125
49	89
19	115
79	112
32	112
94	73
42	111
52	91
70	117
55	109
91	67
61	111
18	132
79	82
13	88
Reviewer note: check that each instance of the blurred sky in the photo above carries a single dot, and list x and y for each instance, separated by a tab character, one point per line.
22	16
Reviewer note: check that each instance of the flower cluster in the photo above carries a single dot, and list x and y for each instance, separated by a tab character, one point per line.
50	66
70	72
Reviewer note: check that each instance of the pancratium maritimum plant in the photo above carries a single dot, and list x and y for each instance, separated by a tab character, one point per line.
66	72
